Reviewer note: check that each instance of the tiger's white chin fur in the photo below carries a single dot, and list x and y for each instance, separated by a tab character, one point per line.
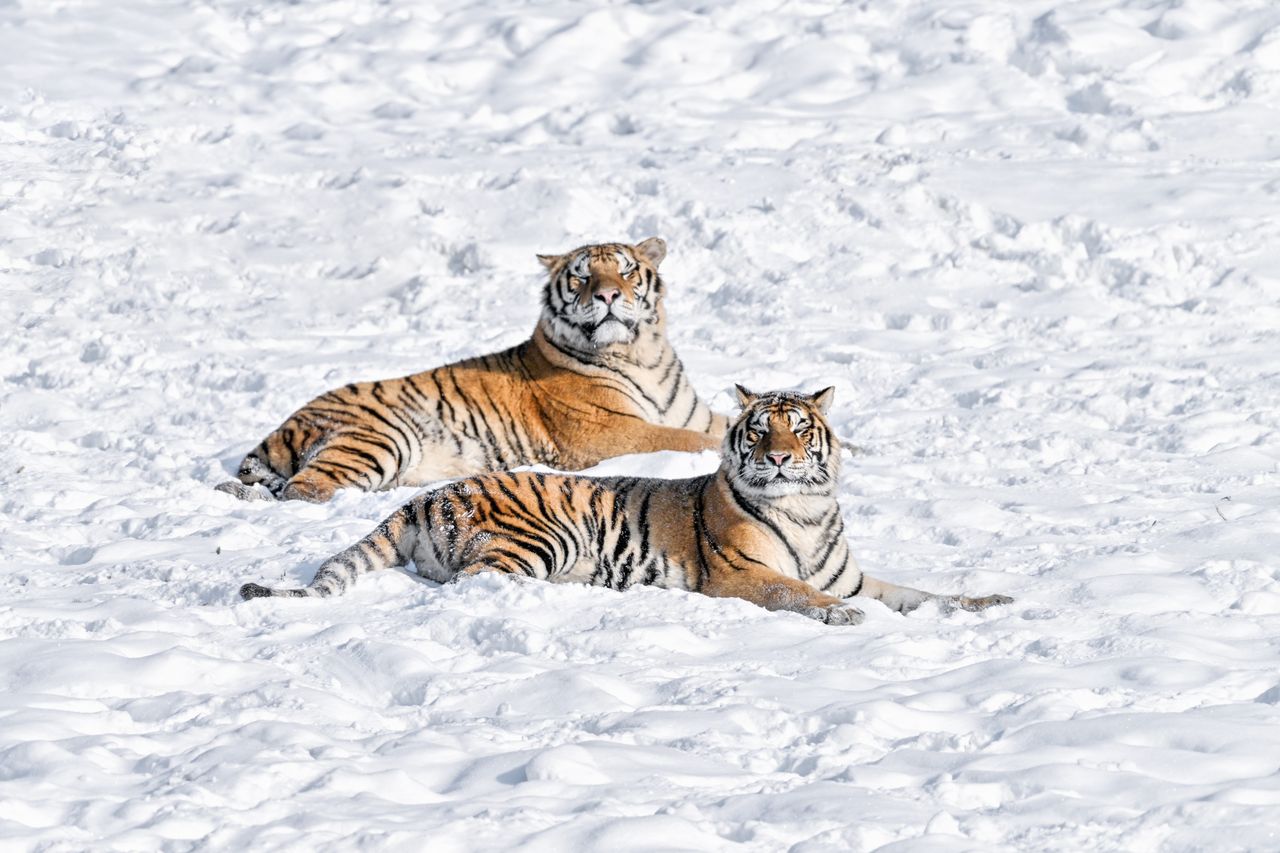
614	332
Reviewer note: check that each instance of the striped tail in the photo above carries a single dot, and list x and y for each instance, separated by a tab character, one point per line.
390	544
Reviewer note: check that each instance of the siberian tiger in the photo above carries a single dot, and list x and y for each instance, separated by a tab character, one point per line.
598	378
765	527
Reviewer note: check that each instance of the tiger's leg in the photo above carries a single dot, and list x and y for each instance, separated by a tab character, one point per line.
904	599
595	442
774	591
335	467
648	438
265	471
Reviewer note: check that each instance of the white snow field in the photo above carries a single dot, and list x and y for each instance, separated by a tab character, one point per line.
1035	245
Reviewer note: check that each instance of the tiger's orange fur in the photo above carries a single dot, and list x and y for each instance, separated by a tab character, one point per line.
598	378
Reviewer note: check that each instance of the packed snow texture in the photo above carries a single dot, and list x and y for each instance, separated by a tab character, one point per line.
1034	245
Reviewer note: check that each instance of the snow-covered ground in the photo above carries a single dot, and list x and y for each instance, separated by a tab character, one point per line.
1033	243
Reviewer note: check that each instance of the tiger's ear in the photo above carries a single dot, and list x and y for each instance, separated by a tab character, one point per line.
550	261
652	250
822	399
745	397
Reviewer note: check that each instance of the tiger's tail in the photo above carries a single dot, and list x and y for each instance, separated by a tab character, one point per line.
390	544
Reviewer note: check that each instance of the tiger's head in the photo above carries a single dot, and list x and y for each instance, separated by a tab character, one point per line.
602	297
781	444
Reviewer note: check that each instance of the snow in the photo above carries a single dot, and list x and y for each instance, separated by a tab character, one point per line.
1034	245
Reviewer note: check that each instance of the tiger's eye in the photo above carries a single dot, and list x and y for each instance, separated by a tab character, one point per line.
753	436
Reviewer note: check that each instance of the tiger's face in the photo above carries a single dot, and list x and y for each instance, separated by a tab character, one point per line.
781	444
601	296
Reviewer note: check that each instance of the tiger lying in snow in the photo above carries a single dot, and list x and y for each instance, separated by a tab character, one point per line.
765	527
597	379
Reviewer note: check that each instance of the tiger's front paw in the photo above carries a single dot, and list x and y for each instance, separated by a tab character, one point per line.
244	492
838	614
983	602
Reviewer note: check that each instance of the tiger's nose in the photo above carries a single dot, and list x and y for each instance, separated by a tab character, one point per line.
779	459
607	296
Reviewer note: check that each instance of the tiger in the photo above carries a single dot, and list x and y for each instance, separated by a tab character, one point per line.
765	527
597	378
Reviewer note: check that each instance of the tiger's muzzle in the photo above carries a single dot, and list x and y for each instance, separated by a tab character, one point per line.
613	317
